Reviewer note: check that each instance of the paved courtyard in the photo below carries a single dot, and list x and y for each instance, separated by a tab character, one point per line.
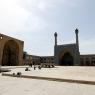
20	86
66	72
23	86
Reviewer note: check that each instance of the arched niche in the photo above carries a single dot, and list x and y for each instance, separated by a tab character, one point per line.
66	60
10	53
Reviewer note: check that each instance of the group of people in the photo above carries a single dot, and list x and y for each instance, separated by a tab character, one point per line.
35	66
39	67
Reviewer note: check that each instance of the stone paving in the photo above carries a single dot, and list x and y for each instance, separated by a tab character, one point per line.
67	72
22	86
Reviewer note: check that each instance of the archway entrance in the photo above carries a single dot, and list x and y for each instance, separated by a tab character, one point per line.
10	54
66	60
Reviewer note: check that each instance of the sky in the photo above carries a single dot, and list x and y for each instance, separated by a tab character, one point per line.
36	21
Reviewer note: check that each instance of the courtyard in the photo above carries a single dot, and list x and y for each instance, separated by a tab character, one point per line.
66	72
25	86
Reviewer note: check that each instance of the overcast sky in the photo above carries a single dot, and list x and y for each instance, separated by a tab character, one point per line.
35	21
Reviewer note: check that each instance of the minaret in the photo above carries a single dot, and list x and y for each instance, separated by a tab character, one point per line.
55	35
55	48
77	41
77	44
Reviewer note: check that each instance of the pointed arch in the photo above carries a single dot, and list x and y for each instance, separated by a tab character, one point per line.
10	53
66	60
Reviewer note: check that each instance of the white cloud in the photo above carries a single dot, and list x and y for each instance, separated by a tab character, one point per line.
12	17
23	18
25	15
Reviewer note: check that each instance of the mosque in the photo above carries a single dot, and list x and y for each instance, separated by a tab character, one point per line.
67	54
12	54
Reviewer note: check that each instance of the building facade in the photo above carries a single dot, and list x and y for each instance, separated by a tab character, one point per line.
68	54
47	59
27	59
87	60
11	51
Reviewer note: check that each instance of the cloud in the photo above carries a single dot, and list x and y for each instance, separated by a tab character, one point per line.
35	21
27	15
12	17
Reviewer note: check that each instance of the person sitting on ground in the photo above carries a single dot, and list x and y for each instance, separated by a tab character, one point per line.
39	67
27	69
